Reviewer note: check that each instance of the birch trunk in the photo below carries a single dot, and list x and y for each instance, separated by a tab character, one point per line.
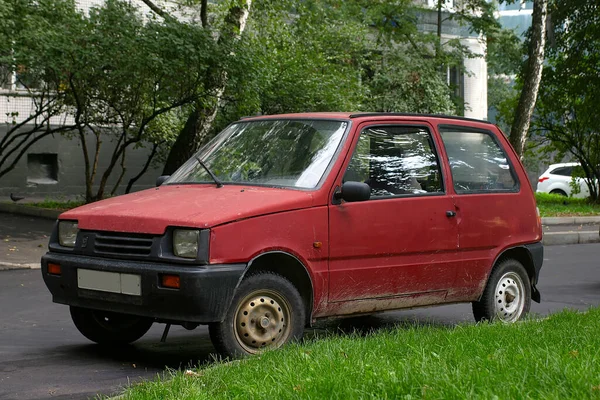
199	124
531	78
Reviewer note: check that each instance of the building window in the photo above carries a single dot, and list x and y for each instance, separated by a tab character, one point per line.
42	168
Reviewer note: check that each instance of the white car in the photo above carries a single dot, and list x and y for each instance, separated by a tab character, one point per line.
557	179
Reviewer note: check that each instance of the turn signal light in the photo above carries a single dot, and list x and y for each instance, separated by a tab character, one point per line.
170	281
54	269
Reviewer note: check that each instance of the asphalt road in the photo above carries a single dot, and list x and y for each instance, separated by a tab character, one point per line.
23	239
43	356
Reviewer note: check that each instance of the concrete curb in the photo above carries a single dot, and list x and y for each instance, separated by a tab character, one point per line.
561	238
570	220
5	266
29	210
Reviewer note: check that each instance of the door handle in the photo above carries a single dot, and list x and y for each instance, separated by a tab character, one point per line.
450	214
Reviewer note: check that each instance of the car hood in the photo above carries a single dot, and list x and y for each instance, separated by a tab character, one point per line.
199	206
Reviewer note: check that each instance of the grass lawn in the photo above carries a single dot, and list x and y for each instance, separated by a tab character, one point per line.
57	205
553	205
554	358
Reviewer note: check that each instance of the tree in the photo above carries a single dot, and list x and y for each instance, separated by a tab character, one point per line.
531	77
504	56
113	74
565	118
325	55
47	101
199	123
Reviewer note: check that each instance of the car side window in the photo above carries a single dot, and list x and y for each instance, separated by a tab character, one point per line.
396	160
563	171
477	161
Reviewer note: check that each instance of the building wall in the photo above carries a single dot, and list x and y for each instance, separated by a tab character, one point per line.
35	175
475	81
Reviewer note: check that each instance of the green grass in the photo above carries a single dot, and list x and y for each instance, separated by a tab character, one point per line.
554	358
57	205
553	205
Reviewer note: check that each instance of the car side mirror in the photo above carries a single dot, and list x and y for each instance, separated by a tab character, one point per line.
353	191
161	179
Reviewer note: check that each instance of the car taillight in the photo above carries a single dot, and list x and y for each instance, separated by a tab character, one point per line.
543	178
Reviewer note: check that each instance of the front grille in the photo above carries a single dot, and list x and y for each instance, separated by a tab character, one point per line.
131	244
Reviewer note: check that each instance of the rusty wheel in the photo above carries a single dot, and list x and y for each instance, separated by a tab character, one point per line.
263	319
267	311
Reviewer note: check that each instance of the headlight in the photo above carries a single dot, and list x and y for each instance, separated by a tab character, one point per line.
185	243
67	233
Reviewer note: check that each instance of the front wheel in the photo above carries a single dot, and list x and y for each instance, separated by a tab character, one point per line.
507	296
105	327
267	311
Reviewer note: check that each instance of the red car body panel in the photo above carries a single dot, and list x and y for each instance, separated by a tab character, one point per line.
199	206
361	257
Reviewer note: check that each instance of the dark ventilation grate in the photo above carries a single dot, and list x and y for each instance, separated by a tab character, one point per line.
123	244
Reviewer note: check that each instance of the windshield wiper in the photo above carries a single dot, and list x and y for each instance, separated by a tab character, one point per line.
217	181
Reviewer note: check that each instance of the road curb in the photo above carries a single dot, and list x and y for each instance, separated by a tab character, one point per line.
4	266
570	220
561	238
30	210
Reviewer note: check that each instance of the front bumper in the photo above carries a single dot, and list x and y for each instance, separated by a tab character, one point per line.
204	295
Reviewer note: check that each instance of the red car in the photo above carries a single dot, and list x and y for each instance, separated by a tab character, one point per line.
282	220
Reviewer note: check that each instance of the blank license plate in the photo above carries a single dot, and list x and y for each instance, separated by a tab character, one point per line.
112	282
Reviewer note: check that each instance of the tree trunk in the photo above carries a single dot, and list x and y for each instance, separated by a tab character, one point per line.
199	124
143	171
531	77
179	151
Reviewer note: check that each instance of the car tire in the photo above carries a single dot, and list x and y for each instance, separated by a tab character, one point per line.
266	312
105	327
507	295
559	192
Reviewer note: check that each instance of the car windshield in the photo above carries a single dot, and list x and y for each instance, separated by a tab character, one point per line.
277	152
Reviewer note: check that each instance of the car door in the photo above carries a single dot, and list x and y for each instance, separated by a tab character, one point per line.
400	246
491	212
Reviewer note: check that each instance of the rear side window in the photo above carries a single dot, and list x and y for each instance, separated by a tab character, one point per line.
477	161
396	160
563	171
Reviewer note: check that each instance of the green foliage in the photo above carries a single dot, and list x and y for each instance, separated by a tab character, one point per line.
554	205
552	358
57	204
336	56
504	56
117	75
570	92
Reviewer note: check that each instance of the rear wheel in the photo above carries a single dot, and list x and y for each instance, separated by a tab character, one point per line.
558	192
267	311
507	296
105	327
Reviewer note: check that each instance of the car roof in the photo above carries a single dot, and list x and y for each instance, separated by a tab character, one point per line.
362	116
569	164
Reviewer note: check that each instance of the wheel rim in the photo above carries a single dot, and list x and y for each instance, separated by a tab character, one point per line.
510	297
263	319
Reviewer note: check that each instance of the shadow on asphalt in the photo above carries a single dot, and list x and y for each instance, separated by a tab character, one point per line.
189	350
23	227
175	354
368	324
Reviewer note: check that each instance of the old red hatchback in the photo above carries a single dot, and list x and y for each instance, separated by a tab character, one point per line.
282	220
